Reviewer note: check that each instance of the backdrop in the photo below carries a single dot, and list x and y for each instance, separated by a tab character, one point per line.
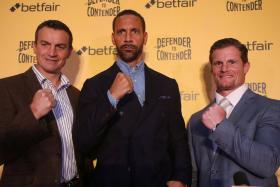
180	33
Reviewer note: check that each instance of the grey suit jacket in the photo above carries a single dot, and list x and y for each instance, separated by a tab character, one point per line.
248	142
30	149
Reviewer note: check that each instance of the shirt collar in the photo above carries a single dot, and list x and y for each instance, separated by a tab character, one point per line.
64	81
234	96
125	68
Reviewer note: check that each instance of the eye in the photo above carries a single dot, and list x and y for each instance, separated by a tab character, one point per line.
62	46
135	31
231	61
217	63
120	32
44	43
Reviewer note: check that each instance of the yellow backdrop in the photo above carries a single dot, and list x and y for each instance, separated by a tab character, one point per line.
180	35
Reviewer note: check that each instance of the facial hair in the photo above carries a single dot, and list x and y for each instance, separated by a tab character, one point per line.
129	56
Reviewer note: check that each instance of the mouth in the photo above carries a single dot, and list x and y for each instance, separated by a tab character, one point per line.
128	48
225	76
51	60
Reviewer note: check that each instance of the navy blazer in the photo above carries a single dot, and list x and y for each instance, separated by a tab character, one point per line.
248	142
133	145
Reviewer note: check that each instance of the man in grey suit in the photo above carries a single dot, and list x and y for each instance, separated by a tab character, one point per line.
235	139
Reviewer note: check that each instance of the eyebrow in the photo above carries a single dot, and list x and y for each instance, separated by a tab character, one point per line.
58	44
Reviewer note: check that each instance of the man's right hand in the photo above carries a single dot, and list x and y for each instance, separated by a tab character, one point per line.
121	86
43	101
213	116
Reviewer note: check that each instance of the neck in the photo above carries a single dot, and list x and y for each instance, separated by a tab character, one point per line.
54	78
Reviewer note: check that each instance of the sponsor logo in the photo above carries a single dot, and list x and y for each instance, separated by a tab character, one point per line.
258	87
99	8
259	46
174	48
37	7
106	50
170	3
25	52
189	96
245	5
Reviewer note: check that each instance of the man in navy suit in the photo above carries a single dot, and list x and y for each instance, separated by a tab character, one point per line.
129	118
234	140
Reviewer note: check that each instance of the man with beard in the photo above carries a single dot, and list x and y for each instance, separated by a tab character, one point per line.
235	140
129	118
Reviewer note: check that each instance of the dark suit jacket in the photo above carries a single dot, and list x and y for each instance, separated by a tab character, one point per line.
248	142
30	149
134	146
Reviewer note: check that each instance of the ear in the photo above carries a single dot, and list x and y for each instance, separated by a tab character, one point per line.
145	37
246	67
34	46
113	39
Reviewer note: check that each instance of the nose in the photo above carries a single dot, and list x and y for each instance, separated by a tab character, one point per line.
52	51
224	67
128	37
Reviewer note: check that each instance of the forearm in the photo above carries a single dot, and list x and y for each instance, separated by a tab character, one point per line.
19	131
248	151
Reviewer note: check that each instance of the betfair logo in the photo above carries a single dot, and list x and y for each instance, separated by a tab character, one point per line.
259	45
15	7
106	50
39	7
82	50
150	3
170	3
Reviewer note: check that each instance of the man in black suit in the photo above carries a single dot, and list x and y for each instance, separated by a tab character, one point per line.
129	117
37	113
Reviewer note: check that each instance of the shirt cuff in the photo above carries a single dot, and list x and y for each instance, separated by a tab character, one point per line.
112	100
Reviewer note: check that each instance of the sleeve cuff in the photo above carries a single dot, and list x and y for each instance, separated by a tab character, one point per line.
112	100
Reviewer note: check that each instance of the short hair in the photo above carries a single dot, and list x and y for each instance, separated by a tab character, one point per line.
130	12
226	42
57	25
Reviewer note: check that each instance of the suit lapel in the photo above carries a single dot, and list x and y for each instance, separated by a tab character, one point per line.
151	94
33	86
242	106
32	83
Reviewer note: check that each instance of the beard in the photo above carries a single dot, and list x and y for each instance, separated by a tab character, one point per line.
129	52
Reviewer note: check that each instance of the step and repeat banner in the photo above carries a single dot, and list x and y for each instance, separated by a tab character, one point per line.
180	33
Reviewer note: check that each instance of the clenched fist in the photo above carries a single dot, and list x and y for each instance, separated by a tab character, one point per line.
213	115
121	86
43	101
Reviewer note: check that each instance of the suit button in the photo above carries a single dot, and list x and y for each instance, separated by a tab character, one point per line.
121	113
213	171
128	169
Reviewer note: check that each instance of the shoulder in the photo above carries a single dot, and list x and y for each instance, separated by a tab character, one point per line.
263	101
15	81
157	75
74	90
104	76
